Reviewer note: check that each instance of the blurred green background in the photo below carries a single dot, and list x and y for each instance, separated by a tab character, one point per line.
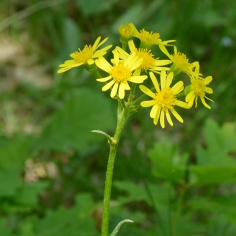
180	181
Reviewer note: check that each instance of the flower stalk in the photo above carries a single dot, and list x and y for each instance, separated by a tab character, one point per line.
122	116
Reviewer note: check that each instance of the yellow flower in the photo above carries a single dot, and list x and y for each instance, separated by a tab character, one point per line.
180	61
164	100
85	56
198	88
149	38
120	73
149	63
126	33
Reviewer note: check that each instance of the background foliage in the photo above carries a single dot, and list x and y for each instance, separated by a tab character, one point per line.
174	182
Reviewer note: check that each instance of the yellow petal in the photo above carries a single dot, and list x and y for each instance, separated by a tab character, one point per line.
208	90
178	87
164	50
66	68
137	79
204	103
104	79
162	119
126	85
169	118
169	79
131	45
147	91
182	104
207	80
148	103
129	59
101	52
137	72
153	111
103	64
114	90
191	100
162	62
176	115
163	79
189	96
108	85
155	120
121	91
103	41
96	43
122	53
154	81
116	56
135	64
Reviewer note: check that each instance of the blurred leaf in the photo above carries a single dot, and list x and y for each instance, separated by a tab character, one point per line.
219	140
158	197
219	226
14	153
212	174
167	163
3	228
135	14
215	165
65	222
222	205
92	6
29	193
70	127
72	36
12	159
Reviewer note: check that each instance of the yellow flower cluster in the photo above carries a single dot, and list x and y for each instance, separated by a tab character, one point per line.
137	63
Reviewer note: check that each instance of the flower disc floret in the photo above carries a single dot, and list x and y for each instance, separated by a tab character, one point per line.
164	100
120	73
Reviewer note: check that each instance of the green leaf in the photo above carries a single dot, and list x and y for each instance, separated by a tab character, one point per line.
12	159
66	222
215	163
70	127
212	174
167	163
158	197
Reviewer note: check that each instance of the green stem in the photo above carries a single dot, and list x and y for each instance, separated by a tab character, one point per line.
123	115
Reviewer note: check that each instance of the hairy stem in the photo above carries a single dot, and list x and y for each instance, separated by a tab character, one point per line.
122	117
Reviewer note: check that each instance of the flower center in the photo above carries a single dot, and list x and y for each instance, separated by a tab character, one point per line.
148	60
181	61
149	37
84	55
120	73
165	99
199	87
